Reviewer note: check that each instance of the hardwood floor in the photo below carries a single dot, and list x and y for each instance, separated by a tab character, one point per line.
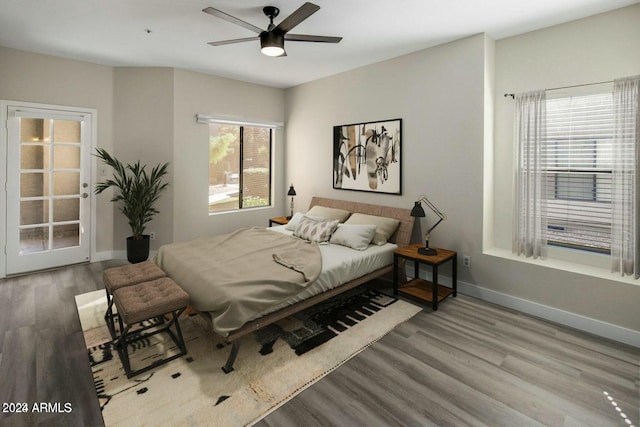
469	363
43	359
473	363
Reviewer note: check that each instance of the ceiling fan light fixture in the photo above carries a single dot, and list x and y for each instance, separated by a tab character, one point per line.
272	39
272	43
272	50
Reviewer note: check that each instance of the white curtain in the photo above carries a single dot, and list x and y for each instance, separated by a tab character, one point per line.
625	250
529	233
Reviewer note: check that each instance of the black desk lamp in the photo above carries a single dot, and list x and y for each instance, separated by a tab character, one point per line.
292	192
417	211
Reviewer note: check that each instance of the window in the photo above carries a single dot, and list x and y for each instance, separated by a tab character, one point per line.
576	177
578	164
239	166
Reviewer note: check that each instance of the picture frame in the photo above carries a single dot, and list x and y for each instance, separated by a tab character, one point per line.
367	156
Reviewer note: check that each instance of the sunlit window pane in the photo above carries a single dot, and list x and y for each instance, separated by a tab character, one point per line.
239	167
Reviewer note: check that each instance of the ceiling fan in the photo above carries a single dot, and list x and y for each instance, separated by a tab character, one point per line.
272	39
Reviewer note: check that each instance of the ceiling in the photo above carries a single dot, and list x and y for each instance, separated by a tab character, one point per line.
174	33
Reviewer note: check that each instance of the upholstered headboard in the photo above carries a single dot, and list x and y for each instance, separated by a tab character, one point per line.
401	237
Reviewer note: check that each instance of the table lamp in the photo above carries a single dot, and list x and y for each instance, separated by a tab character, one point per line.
417	211
291	192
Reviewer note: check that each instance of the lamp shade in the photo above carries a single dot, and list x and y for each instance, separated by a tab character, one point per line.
292	191
417	210
272	43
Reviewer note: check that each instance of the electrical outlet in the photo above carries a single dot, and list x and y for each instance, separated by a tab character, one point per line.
152	235
466	261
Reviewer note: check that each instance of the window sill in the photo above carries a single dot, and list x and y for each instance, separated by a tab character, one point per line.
590	264
243	210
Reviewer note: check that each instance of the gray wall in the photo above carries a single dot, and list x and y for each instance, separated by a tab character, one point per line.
154	112
448	97
595	49
31	77
196	93
149	114
438	93
143	117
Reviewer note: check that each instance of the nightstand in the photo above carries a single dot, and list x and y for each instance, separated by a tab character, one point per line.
422	289
280	220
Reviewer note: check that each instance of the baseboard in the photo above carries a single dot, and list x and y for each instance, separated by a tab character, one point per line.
576	321
107	255
566	318
101	256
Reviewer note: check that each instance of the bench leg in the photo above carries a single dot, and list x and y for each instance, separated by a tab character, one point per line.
123	351
180	341
124	340
108	316
228	367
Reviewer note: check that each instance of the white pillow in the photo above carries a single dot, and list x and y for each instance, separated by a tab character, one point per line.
297	217
385	227
354	236
330	214
314	231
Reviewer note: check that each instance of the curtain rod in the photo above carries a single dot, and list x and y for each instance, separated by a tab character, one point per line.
202	118
513	95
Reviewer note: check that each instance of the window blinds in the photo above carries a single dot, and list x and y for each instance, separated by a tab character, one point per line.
579	162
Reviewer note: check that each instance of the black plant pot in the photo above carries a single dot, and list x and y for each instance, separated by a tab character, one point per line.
138	249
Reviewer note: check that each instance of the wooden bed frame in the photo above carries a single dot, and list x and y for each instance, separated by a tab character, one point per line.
401	237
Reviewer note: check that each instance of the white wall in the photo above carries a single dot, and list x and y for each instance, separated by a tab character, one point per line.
595	49
143	131
443	95
155	111
148	114
37	78
440	95
196	93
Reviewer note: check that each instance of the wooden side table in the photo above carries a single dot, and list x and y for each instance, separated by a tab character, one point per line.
422	289
280	220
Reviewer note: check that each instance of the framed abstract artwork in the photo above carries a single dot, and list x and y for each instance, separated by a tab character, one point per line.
367	157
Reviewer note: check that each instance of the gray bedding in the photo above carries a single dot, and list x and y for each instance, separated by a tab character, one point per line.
237	276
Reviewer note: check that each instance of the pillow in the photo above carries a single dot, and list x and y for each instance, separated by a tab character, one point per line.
385	227
315	231
297	217
329	213
354	236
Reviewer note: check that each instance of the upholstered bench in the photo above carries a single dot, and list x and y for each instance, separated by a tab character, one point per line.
127	275
160	299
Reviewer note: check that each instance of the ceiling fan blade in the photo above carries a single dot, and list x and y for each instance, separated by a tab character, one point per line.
232	19
223	42
303	12
309	38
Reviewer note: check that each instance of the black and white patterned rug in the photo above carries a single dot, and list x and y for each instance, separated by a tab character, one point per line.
273	365
314	326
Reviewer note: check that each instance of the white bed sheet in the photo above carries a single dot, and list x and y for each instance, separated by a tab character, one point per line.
340	265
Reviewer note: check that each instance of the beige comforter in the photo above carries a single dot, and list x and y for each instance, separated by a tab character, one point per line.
237	276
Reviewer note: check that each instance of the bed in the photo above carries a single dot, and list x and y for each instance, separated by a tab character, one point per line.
302	284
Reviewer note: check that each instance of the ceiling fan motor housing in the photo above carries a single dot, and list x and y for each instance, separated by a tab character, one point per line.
272	40
271	12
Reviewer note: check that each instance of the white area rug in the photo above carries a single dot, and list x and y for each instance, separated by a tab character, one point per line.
194	391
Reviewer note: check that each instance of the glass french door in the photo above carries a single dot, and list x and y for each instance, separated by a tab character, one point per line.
48	193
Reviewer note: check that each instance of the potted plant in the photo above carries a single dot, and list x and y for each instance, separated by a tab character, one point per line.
138	191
